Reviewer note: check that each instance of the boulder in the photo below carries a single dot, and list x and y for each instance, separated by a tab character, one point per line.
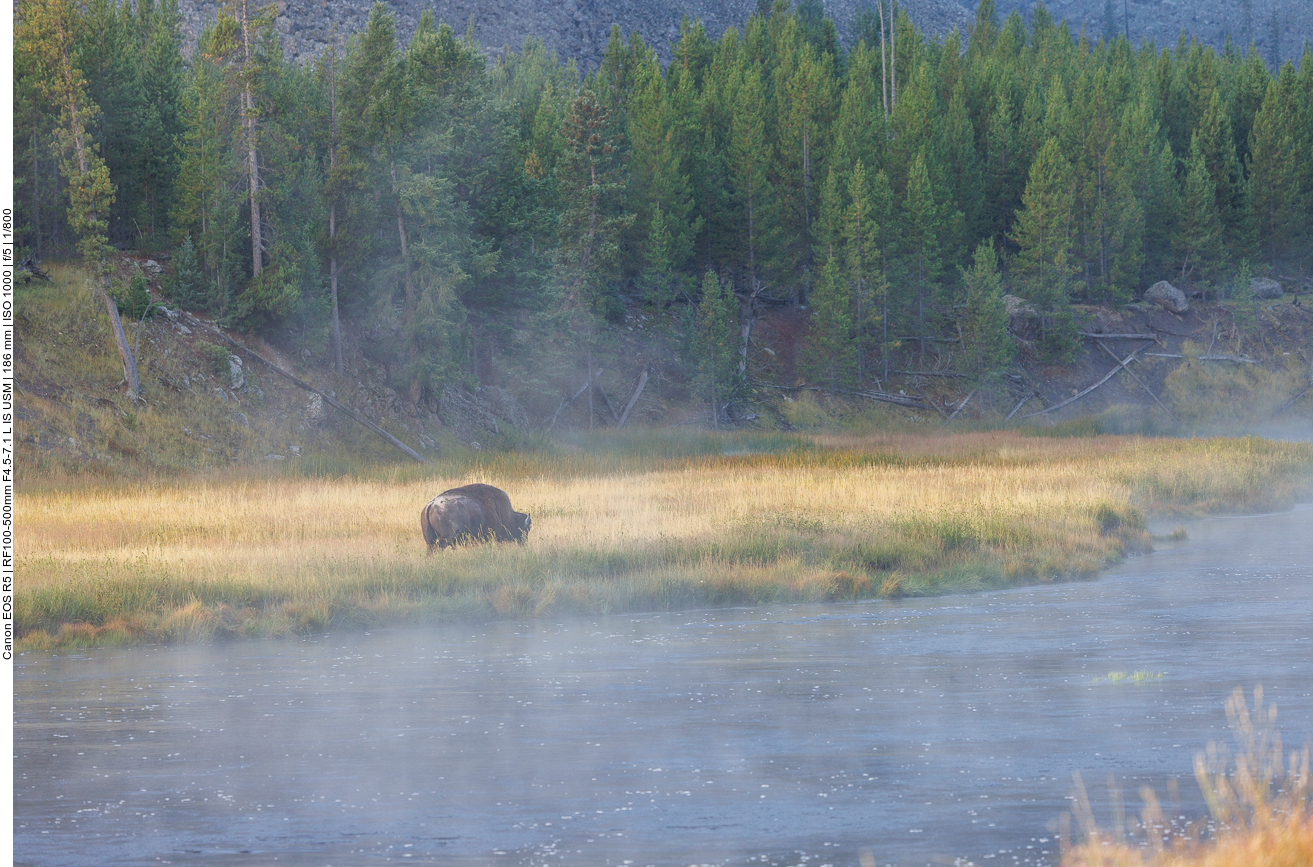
236	376
1168	297
1265	288
1023	319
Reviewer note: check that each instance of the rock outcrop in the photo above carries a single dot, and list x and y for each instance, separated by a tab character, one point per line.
1023	320
1168	297
1265	288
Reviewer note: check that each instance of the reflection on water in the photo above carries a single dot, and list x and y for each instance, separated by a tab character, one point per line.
928	731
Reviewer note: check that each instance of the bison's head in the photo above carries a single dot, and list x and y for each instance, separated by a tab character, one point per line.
522	524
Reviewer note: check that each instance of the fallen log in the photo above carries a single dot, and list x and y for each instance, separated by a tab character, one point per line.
642	381
567	401
1234	358
1021	403
929	373
1117	336
1105	348
961	405
300	383
898	400
1075	397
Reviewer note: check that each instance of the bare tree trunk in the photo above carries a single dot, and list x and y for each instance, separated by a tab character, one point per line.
121	339
893	57
332	218
884	65
252	158
405	251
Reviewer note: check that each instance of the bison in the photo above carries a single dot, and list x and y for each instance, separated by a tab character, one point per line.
472	512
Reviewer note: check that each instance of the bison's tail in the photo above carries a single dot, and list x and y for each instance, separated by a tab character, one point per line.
430	533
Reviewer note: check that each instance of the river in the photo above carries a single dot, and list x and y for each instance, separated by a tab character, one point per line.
925	731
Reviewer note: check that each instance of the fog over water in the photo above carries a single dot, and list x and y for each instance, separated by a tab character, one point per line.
928	731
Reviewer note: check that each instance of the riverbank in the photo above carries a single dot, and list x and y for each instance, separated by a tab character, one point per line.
650	522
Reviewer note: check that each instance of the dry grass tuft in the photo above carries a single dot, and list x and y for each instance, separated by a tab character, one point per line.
1258	800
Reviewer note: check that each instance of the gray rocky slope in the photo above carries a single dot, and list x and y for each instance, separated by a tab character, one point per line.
1275	27
580	28
574	28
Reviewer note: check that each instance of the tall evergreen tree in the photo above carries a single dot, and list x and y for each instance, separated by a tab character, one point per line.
986	346
715	345
592	180
47	34
921	253
1276	196
1043	237
830	352
1200	232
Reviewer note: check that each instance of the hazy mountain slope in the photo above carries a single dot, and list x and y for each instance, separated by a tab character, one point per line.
575	28
1209	21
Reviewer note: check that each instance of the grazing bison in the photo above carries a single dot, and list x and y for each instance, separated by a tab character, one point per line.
472	512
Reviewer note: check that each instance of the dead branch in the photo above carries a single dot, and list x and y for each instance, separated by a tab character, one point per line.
908	401
929	373
1118	336
642	382
1075	397
1021	403
1105	348
300	383
1235	358
961	405
566	402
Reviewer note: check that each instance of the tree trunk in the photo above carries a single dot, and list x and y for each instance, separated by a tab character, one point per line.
252	158
332	216
884	64
405	251
121	339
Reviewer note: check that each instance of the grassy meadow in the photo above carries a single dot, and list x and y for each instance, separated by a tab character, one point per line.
646	521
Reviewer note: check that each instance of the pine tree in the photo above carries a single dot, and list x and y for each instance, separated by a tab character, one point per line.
859	127
921	253
831	355
47	32
1275	193
1043	237
806	96
1199	239
862	266
986	346
714	347
206	204
756	213
592	181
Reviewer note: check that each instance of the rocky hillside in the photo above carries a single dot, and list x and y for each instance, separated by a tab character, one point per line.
1194	365
1209	21
574	28
579	28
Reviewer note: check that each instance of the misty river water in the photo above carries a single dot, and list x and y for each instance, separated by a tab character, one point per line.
927	731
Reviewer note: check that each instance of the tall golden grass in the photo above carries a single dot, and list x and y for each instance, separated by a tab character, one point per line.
1258	799
637	528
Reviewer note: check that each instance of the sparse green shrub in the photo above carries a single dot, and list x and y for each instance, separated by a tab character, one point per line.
132	300
217	359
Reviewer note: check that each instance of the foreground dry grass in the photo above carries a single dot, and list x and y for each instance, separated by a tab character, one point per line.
1259	801
841	517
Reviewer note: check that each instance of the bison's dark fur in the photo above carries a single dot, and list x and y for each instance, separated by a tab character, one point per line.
472	512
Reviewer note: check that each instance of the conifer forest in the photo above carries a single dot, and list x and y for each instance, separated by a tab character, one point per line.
443	200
